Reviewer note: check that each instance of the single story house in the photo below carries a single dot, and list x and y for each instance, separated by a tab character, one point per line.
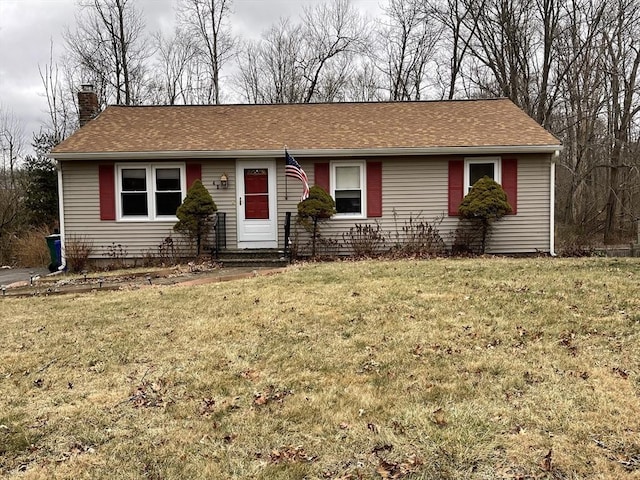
123	173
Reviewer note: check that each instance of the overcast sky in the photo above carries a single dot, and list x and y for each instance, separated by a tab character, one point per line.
27	28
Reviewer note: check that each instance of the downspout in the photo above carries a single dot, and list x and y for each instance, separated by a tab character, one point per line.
552	203
63	257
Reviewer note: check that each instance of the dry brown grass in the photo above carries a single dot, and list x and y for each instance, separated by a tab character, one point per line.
31	249
483	368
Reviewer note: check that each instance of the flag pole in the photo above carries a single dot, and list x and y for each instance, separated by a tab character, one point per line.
286	192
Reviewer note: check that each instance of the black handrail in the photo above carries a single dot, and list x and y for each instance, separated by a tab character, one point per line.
220	232
287	235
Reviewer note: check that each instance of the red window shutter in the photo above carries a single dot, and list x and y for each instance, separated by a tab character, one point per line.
321	175
456	185
510	182
194	172
107	187
374	189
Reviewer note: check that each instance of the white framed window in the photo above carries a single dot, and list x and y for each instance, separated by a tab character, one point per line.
477	167
348	188
149	192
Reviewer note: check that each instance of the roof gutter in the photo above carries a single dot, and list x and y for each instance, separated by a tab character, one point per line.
331	152
552	206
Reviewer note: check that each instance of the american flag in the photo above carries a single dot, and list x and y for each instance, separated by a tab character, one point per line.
293	169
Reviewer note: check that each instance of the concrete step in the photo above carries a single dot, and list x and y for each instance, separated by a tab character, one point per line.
253	258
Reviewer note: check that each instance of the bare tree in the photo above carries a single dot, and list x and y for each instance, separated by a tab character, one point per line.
109	47
365	83
207	21
503	45
11	147
578	118
303	62
408	38
62	119
459	26
270	70
175	58
621	66
331	31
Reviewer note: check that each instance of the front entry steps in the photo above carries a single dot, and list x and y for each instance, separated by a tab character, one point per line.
260	257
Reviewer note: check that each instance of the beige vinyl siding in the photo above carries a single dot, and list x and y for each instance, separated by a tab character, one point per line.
289	196
529	230
212	170
82	217
418	188
412	187
138	239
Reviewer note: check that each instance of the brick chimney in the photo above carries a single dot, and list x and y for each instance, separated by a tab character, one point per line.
88	106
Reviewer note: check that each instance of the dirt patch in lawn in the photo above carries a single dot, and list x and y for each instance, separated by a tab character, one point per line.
58	284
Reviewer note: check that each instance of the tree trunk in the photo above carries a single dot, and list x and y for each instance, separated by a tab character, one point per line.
611	227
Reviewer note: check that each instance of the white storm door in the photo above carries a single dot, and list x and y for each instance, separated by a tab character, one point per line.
256	202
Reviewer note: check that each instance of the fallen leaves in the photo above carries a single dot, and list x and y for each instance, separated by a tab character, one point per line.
271	394
547	462
249	374
74	450
149	394
621	372
566	340
291	454
626	454
398	469
439	417
207	407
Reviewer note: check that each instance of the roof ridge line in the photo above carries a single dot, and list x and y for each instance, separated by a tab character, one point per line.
383	102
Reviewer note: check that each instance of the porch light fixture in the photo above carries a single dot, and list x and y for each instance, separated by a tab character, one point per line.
224	181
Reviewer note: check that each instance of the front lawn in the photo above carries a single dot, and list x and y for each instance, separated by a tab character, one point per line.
448	368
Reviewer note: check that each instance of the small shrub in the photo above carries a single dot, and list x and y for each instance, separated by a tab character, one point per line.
485	203
195	215
576	241
467	238
365	240
421	238
172	251
302	243
577	247
328	247
317	207
78	250
118	255
167	250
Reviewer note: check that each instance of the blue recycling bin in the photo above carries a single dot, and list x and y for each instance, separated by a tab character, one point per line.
55	251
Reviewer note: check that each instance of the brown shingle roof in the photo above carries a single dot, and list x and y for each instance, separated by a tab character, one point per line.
327	126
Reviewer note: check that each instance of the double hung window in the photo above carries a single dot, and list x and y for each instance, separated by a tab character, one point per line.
476	168
150	192
348	180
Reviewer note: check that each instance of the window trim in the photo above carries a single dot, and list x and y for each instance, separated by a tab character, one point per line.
362	164
150	169
497	169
